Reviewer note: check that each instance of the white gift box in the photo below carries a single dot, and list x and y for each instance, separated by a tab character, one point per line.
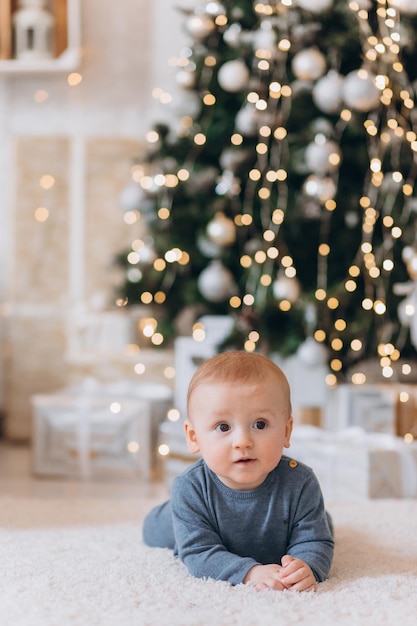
157	395
152	401
354	465
371	407
88	434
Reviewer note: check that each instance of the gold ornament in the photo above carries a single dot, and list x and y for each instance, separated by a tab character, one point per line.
221	230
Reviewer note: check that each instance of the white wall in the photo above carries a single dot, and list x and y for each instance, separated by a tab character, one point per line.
125	50
126	45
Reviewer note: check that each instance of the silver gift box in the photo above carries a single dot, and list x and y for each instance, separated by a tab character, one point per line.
85	435
354	465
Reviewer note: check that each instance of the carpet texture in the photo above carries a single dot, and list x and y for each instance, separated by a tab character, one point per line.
82	563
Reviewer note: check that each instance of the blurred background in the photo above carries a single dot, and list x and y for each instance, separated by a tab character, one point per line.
180	178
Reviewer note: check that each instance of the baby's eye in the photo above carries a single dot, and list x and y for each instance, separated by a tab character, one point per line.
260	424
222	428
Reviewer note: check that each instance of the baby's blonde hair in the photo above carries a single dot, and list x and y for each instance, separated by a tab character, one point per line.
240	367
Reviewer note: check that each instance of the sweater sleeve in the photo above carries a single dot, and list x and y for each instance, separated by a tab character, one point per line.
198	542
311	537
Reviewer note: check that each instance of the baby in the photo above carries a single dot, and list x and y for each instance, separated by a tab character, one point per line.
244	512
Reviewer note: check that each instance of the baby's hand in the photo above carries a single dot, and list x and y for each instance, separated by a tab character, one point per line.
265	577
297	575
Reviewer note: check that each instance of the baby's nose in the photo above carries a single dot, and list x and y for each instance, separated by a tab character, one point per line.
243	438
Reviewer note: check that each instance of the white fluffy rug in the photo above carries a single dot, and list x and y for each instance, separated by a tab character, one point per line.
82	563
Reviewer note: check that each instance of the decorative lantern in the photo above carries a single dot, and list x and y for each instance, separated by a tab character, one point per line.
33	30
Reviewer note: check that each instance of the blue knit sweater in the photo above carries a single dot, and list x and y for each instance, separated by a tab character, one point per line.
222	533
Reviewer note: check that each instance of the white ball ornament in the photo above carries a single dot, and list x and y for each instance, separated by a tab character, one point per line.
360	91
233	76
311	352
216	282
328	92
314	6
221	230
309	64
246	121
199	26
285	288
323	157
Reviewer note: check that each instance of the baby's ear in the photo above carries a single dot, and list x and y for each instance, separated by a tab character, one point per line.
191	438
288	431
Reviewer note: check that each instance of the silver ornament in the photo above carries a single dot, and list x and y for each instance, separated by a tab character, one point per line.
199	26
233	76
309	64
322	156
327	92
246	121
216	282
360	92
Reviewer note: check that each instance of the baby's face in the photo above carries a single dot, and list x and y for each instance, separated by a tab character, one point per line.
240	430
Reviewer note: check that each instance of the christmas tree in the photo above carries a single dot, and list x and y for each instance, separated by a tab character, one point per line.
284	193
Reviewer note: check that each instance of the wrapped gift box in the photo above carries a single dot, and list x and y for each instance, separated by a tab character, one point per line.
384	408
370	407
353	464
85	435
86	408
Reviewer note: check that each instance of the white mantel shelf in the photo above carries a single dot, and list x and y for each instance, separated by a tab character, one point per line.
68	61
